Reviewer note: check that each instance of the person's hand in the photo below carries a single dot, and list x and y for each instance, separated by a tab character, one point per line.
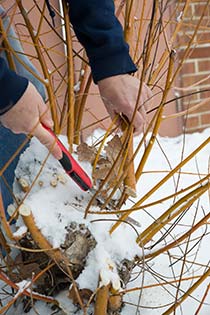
119	94
26	117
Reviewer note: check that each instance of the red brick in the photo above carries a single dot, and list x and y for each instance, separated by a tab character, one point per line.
203	108
201	8
205	119
197	129
191	122
204	65
201	52
188	67
203	38
191	79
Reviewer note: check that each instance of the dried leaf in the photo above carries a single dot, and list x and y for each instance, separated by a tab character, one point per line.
86	153
113	148
102	169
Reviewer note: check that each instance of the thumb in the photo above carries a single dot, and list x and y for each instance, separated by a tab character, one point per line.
48	141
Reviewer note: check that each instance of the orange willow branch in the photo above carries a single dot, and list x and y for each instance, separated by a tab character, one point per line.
36	296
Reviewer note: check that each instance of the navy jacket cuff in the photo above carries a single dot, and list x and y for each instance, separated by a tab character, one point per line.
120	63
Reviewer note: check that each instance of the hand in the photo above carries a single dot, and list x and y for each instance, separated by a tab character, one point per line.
119	94
26	117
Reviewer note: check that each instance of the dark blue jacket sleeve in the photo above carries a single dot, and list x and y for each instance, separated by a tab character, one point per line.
101	34
12	87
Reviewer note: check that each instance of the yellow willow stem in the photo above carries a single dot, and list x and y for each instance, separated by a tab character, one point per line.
190	43
16	55
129	21
122	174
101	302
43	64
130	179
165	55
166	248
188	293
70	69
154	133
154	203
181	205
41	21
187	111
162	181
149	44
124	144
81	108
55	253
158	119
160	284
139	30
78	97
131	161
103	142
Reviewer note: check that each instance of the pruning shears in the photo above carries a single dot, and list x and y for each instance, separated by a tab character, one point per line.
70	165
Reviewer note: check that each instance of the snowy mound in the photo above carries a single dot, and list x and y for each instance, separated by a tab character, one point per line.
56	201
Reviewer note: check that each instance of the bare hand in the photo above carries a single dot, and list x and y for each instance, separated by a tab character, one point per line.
119	94
26	117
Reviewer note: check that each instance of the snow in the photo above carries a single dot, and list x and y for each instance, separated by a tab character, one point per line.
20	231
55	207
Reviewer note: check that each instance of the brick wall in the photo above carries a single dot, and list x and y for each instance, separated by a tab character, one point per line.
196	66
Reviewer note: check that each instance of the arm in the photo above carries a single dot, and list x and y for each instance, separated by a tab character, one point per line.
101	34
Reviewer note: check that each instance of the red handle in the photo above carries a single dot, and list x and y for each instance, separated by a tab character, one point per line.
70	165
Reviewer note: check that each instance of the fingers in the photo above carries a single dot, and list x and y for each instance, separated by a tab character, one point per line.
48	140
45	115
138	122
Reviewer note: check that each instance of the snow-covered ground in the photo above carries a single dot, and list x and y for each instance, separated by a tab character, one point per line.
55	207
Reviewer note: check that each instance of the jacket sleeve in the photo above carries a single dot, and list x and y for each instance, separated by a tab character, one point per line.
12	87
101	34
